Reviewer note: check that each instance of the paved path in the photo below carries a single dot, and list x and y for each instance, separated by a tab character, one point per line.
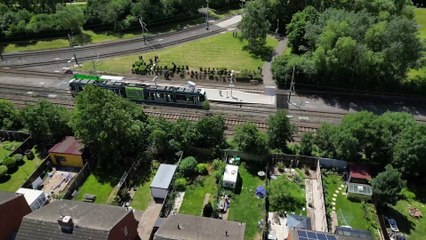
238	96
148	219
266	68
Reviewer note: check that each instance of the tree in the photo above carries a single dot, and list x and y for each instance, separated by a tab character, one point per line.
280	130
296	29
210	132
70	17
253	26
249	139
9	116
9	162
202	169
188	167
112	127
307	143
3	170
387	185
409	153
46	122
285	195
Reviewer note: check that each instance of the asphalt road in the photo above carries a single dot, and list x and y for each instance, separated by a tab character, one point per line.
122	47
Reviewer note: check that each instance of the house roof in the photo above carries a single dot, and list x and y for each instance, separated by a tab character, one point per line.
360	171
91	221
7	196
69	145
231	173
188	227
297	221
164	176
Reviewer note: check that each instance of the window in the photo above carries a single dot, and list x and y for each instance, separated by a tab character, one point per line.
60	159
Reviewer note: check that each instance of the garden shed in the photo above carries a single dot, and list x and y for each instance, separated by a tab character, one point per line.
68	152
35	198
161	183
230	176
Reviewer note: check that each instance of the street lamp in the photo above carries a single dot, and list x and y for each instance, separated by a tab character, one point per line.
156	76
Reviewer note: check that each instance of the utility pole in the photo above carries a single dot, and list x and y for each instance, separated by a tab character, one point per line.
94	62
144	29
231	83
291	86
207	15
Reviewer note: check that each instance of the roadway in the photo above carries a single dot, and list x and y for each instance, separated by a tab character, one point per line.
114	48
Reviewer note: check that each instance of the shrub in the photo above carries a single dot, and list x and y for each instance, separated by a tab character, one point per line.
208	210
9	162
188	166
180	184
206	105
202	168
3	170
280	166
218	164
18	157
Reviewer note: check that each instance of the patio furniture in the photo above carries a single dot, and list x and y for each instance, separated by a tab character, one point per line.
89	198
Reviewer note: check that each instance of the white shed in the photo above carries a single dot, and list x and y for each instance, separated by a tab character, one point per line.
230	176
162	180
35	198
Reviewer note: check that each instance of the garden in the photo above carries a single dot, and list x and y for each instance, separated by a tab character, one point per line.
14	170
412	197
96	186
357	214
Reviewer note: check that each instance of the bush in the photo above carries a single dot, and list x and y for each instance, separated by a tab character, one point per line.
18	157
407	194
206	105
3	170
180	184
188	166
9	162
208	210
218	164
202	168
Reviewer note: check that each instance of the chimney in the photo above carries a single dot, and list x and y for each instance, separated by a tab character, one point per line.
66	224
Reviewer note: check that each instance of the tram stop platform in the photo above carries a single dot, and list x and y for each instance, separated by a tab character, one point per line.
237	96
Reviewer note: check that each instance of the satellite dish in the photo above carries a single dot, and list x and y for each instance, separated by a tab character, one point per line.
191	84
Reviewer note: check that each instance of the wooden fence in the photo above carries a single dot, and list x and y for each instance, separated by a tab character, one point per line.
77	182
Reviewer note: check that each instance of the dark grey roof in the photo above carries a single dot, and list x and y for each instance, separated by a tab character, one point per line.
189	227
353	233
91	221
164	176
297	221
7	196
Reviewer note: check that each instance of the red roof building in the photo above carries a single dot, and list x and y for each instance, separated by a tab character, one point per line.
13	207
68	152
359	173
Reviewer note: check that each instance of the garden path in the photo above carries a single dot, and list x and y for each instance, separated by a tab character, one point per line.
148	219
334	220
266	68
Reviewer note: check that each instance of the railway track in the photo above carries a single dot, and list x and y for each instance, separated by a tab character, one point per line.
145	48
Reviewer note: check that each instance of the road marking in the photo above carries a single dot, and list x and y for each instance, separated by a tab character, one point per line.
57	59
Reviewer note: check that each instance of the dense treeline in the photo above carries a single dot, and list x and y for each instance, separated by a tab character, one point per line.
24	18
391	138
365	45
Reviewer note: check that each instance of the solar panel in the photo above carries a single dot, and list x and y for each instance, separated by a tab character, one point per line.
321	236
312	235
330	237
302	233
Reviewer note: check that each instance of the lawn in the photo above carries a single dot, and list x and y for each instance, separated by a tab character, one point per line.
89	36
348	212
245	206
194	195
19	174
413	227
222	50
142	195
93	186
420	14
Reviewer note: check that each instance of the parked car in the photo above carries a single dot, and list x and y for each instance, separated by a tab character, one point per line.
393	225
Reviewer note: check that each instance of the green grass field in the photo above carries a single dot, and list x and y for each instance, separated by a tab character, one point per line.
20	174
142	196
93	186
352	212
420	14
194	195
415	228
217	51
245	206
